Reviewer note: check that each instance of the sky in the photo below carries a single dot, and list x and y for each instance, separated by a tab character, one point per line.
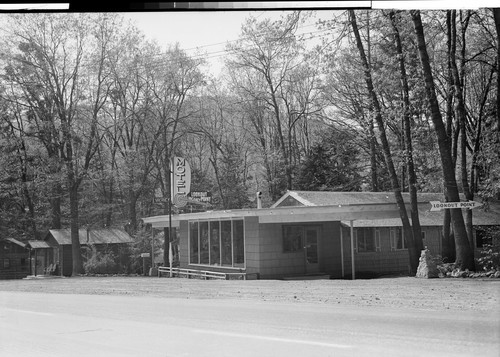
205	31
209	31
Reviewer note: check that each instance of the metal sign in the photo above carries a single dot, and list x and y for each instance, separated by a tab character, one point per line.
180	200
438	206
181	181
200	196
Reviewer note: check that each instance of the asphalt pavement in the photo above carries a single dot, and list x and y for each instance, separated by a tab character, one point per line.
38	324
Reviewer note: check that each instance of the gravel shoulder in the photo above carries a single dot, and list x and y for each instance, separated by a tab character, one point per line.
401	292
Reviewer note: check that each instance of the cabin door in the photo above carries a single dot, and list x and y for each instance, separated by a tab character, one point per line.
311	249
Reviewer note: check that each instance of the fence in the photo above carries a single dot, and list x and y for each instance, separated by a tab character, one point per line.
200	274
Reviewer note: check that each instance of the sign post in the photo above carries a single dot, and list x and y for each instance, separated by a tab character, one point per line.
180	186
438	206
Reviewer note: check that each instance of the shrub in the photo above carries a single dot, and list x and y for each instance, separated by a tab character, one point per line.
490	257
101	263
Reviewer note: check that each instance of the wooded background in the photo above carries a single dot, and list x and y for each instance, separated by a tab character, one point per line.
91	111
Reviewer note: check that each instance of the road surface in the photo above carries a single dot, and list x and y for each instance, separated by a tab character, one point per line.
38	324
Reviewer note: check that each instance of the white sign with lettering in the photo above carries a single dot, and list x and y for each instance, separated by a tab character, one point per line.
438	206
181	180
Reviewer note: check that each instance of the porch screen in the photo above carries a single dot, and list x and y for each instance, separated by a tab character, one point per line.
217	243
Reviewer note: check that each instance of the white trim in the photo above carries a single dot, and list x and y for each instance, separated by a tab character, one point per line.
295	196
289	214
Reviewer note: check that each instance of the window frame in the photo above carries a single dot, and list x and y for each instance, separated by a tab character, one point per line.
298	247
372	236
209	223
395	234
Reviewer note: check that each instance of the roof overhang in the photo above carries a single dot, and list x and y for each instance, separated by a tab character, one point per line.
38	244
295	214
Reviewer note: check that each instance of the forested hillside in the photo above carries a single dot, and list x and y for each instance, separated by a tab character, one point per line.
91	111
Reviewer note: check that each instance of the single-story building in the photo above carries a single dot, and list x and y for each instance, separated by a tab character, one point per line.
13	259
308	233
53	254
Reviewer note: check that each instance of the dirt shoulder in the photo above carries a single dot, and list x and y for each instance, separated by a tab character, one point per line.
402	292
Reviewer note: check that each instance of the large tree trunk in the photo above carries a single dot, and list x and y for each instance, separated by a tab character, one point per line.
373	157
55	205
74	224
461	115
465	256
408	233
496	15
412	177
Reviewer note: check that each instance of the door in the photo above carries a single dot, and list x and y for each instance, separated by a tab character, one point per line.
311	249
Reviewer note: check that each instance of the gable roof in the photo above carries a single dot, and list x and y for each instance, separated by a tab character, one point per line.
38	244
94	236
15	241
482	216
327	198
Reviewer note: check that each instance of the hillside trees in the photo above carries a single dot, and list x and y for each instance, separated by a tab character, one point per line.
464	254
414	241
270	74
332	164
88	128
53	66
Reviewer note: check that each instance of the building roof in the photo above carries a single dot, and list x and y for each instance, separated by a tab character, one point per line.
326	198
287	214
482	216
366	209
94	236
38	244
15	241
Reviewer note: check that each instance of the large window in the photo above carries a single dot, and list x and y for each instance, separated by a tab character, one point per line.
398	241
219	243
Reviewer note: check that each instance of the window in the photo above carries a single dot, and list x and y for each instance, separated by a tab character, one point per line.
378	245
193	242
226	243
217	243
397	239
292	238
365	240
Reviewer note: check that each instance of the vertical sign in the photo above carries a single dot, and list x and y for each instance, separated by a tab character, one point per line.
181	181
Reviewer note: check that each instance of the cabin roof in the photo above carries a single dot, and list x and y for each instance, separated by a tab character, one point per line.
92	236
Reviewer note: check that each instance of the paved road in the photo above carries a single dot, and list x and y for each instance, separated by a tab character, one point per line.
35	324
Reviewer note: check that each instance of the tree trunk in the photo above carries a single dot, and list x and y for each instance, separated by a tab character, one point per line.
461	115
74	224
465	256
55	205
496	15
412	177
408	233
373	157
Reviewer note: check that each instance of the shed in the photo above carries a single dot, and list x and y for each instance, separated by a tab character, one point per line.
55	248
13	259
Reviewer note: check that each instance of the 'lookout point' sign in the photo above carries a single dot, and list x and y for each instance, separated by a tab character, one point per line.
438	206
181	181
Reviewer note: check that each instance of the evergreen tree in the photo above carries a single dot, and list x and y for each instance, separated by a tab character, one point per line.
331	165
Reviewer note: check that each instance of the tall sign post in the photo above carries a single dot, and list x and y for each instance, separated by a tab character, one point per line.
180	186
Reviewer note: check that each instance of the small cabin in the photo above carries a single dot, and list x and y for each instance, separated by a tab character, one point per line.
14	259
